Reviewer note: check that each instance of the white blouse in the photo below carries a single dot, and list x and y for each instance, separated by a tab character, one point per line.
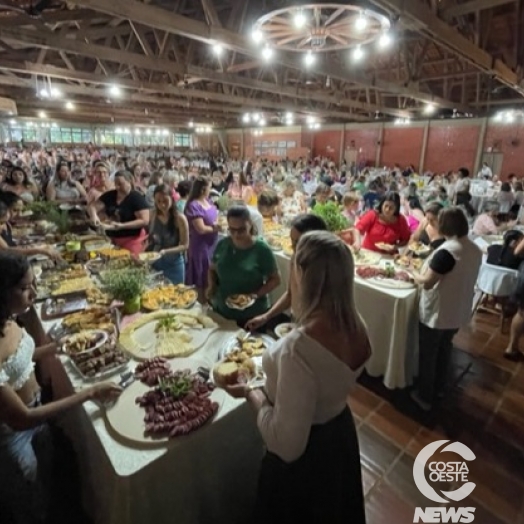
306	384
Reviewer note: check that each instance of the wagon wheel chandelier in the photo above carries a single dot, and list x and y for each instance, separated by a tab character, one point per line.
315	28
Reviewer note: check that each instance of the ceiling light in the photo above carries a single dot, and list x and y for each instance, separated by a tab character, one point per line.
257	36
127	131
385	40
218	49
510	117
267	53
44	93
118	130
208	129
148	131
429	109
55	92
499	116
262	122
191	124
246	118
165	132
42	114
299	20
12	122
361	22
358	53
69	106
316	125
309	59
54	124
114	90
310	119
256	117
137	131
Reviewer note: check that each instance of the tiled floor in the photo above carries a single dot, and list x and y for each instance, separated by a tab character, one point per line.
483	408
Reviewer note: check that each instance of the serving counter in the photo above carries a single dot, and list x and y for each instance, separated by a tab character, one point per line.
209	476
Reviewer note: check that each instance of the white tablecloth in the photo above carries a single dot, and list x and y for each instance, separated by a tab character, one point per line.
391	316
209	477
496	280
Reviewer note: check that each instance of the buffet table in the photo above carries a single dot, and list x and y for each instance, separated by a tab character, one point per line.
391	316
209	476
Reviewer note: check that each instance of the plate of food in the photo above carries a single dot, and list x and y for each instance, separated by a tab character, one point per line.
167	333
72	285
54	308
178	405
149	257
100	363
383	246
284	329
386	277
240	302
84	341
418	248
242	355
408	263
98	317
171	296
364	257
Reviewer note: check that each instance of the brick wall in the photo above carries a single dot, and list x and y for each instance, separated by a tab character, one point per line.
401	145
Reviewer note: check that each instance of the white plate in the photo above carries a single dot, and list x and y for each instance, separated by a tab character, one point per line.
149	257
282	329
126	417
231	305
370	258
421	250
145	336
385	247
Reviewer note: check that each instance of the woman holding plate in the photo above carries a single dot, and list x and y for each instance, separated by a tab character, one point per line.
311	469
384	229
128	212
243	266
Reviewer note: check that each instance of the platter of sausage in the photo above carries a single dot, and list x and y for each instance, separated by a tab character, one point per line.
385	277
164	403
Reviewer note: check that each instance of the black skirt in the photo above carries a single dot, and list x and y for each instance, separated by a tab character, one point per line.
323	486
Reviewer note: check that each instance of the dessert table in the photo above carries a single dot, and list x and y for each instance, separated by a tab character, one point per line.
208	476
391	316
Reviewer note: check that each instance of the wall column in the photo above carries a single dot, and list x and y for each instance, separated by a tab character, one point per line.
342	144
480	146
379	144
423	149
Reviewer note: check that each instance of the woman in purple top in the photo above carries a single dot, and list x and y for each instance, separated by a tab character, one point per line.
202	217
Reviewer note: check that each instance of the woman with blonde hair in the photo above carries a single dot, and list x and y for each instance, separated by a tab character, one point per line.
311	471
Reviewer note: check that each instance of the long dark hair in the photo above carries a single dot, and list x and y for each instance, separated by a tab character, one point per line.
9	178
197	190
13	268
172	222
390	197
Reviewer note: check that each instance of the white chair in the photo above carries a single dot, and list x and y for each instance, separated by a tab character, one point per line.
498	282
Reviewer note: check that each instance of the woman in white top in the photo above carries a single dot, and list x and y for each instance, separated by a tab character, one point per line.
311	471
292	201
63	188
447	285
24	478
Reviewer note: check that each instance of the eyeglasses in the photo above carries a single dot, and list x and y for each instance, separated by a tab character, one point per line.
237	230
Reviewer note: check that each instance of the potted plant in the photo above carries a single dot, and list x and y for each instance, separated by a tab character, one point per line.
127	286
335	221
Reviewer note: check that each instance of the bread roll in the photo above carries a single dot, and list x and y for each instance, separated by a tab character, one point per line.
226	373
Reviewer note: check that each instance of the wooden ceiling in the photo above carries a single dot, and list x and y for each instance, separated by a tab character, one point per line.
465	56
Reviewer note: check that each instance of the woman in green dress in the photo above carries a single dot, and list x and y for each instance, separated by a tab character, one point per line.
242	264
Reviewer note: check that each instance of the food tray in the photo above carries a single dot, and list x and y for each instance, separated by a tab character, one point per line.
126	418
231	344
107	372
103	337
54	307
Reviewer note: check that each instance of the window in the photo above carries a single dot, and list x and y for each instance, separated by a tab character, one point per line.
273	149
182	140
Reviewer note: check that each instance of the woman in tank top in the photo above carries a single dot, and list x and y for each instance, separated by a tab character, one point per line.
168	235
25	443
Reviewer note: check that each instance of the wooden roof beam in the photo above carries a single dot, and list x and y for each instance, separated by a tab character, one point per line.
471	7
159	18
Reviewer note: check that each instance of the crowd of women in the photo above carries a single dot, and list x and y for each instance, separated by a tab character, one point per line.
302	414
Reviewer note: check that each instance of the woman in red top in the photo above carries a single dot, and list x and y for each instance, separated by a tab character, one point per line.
385	226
